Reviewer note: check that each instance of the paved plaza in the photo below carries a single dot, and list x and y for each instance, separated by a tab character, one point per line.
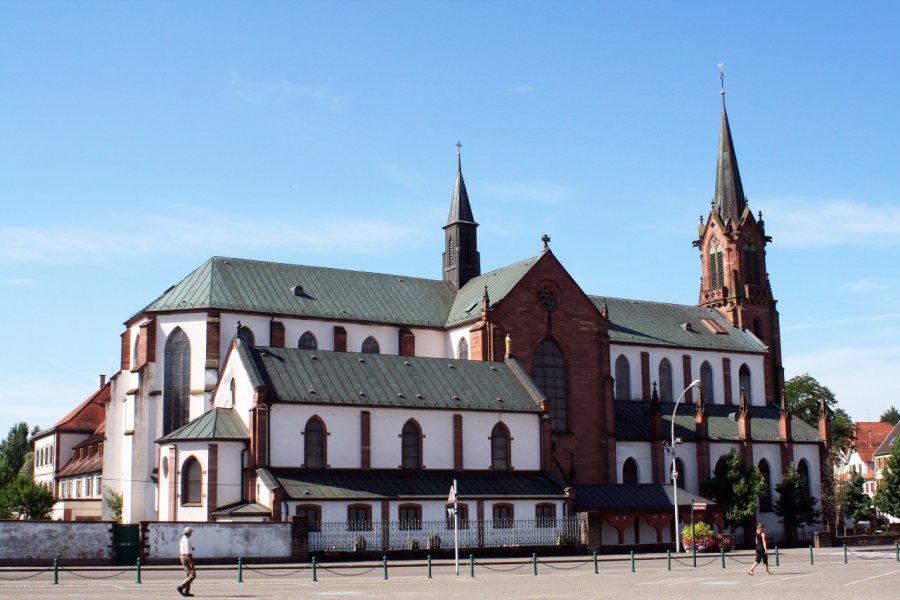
869	573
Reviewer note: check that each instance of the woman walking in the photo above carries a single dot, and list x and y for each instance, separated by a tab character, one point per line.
762	550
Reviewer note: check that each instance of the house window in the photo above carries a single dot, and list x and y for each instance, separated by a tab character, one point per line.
630	471
359	517
706	382
410	516
503	516
246	334
78	488
308	342
500	447
411	442
765	502
545	515
462	349
314	444
623	378
462	511
550	378
370	346
744	380
665	380
176	381
191	481
313	515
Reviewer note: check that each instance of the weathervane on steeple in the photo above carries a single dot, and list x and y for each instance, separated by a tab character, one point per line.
722	76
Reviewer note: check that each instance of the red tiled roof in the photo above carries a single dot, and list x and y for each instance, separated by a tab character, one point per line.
90	414
868	437
86	465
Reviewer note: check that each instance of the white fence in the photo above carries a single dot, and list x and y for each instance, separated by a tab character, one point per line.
435	535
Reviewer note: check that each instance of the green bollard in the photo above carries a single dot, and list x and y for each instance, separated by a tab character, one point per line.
595	564
314	569
897	550
632	561
55	571
471	565
137	566
240	570
812	561
722	554
429	566
384	559
534	563
668	560
845	554
777	557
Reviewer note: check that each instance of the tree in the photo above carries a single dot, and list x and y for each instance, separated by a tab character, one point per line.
891	415
736	486
24	499
114	502
804	395
853	503
795	505
13	451
887	496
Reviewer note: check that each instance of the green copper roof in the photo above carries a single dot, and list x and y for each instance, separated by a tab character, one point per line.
632	497
467	305
217	424
679	325
266	287
633	422
350	378
332	484
242	509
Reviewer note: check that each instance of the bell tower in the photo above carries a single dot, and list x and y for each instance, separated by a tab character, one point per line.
461	259
732	244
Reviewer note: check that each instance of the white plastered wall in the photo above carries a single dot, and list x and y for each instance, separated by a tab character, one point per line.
640	452
452	340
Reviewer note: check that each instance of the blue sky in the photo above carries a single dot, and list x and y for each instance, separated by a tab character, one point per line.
139	139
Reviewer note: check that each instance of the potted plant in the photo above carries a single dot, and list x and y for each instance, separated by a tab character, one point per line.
705	537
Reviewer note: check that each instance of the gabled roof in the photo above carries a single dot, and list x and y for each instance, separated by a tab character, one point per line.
87	416
354	379
467	304
632	497
677	325
868	436
336	484
633	422
91	464
888	443
266	287
242	509
218	424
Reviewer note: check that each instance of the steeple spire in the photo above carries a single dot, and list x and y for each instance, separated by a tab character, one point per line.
461	261
729	199
460	210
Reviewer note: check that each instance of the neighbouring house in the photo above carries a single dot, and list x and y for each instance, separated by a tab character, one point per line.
880	457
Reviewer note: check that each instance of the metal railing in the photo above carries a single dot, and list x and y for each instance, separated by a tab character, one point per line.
341	536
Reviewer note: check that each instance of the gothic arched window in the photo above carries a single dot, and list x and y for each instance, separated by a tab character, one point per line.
630	471
751	264
803	475
623	378
665	380
176	381
550	377
411	443
706	382
500	447
370	346
744	381
765	502
716	266
308	341
462	349
191	481
314	444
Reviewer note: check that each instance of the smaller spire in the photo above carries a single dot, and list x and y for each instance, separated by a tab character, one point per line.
785	409
742	406
485	300
700	407
604	310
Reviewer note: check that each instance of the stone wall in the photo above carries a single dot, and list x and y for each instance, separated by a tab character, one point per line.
39	542
218	541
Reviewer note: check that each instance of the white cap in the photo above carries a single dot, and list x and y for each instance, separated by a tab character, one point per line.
188	530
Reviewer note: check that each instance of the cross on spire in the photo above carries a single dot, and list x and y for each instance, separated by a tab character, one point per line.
546	239
722	76
458	147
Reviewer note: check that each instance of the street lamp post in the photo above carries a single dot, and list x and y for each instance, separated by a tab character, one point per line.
671	449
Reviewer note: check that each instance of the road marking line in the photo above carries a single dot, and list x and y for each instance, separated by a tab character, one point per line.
780	579
873	577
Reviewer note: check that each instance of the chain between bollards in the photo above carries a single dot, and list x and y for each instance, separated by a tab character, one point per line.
240	570
429	566
632	561
668	560
384	559
137	567
314	569
55	571
777	557
722	554
812	561
471	565
595	564
534	563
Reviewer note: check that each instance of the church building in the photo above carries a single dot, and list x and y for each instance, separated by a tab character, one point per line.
259	390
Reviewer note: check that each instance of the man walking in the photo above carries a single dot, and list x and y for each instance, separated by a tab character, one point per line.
187	561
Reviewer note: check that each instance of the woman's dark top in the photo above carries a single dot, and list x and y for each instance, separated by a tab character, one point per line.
759	543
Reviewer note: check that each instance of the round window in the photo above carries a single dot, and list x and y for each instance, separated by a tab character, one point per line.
547	298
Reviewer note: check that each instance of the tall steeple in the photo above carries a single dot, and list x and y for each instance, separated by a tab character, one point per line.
461	259
729	200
